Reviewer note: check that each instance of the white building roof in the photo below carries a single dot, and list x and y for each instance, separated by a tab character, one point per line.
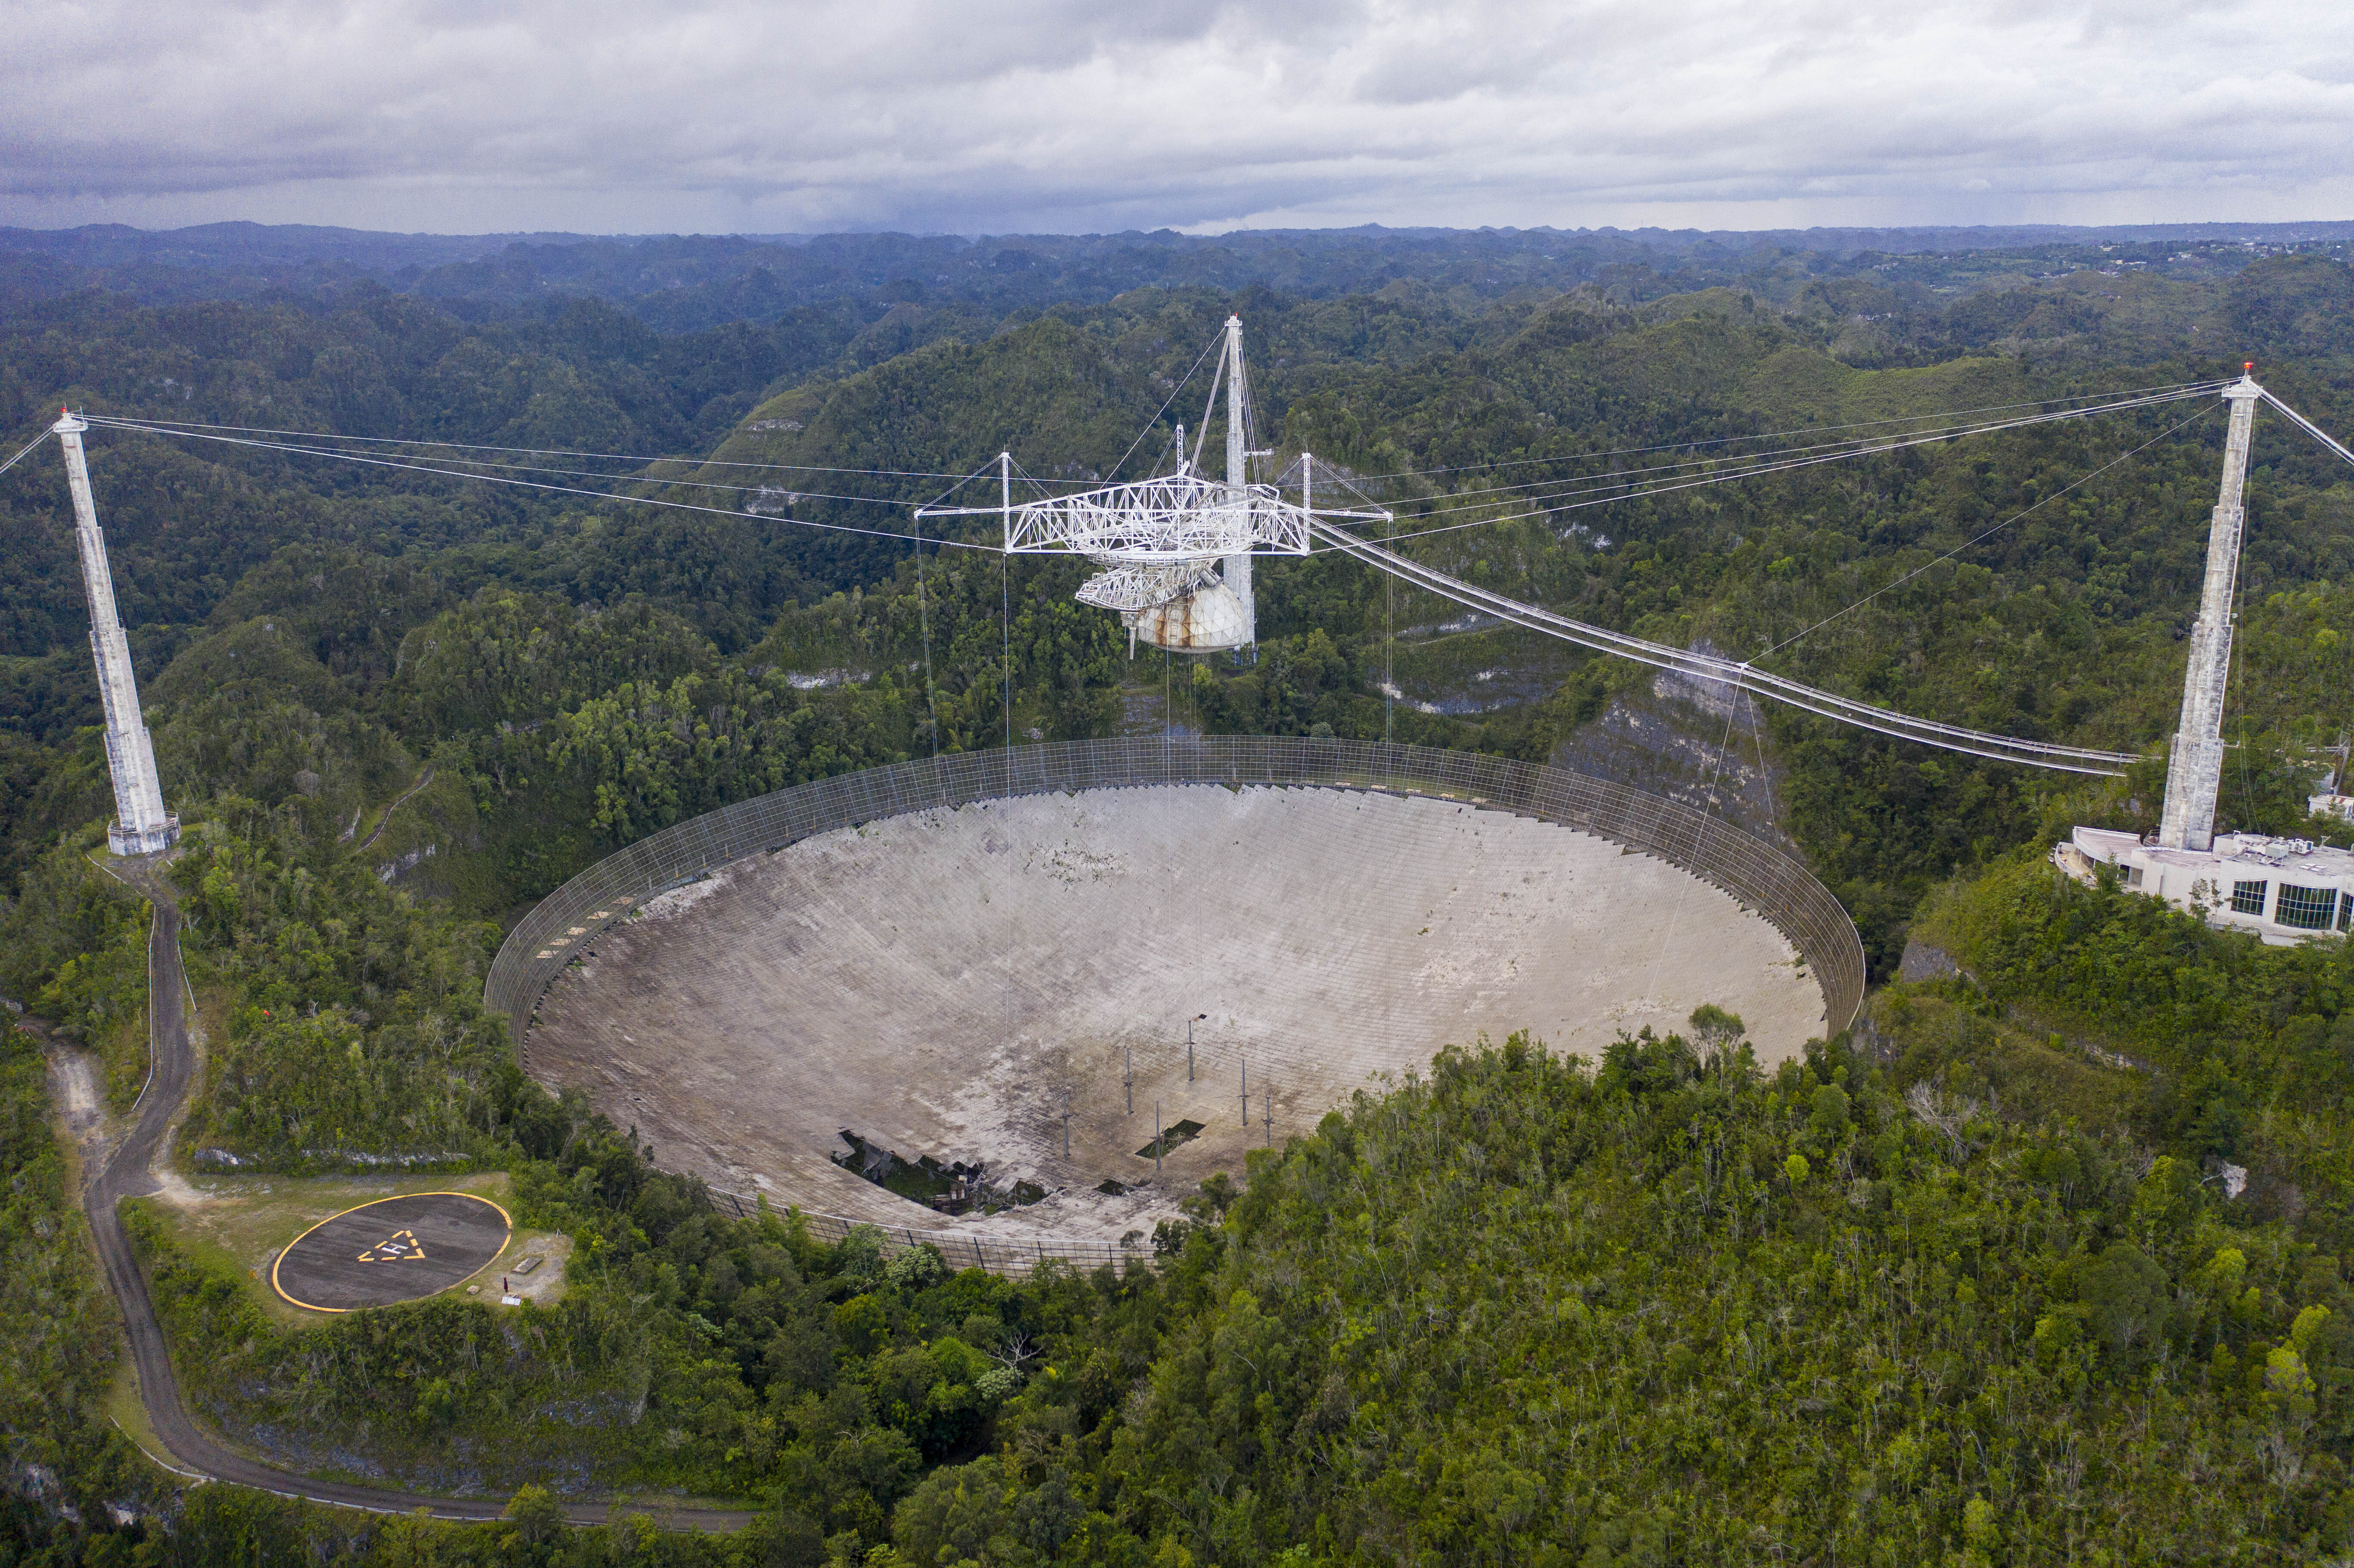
2237	883
2248	855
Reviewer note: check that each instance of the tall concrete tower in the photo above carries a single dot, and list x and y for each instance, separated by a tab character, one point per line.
141	825
2194	769
1238	568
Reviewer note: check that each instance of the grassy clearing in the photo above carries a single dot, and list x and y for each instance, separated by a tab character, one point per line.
70	1079
238	1224
214	1002
1479	669
543	1285
96	997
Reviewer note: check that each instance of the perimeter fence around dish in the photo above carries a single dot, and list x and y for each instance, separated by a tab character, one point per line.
561	926
961	1249
1761	876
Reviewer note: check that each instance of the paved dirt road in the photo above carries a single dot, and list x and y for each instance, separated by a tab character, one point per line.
127	1174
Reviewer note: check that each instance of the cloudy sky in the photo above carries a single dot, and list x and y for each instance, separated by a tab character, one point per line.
731	116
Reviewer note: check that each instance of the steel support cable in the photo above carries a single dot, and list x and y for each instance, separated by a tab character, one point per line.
1014	470
1753	466
1613	489
1800	430
155	430
1626	485
2302	423
192	426
1665	487
977	473
1251	437
1462	499
24	452
1948	555
152	428
1209	406
530	484
1658	488
1850	446
1988	534
1026	477
1111	474
1853	446
1745	676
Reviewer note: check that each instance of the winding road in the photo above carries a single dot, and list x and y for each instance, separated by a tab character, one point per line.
398	801
128	1173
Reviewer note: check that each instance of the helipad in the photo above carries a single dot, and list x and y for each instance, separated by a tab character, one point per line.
395	1249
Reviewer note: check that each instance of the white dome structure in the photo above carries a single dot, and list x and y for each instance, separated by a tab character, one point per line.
1209	618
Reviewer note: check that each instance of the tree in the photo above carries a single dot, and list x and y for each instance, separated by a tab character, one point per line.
2125	1295
783	1537
535	1524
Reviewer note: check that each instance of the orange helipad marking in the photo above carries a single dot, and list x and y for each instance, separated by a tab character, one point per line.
401	1246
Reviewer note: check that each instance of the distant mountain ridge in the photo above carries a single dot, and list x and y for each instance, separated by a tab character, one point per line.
238	240
678	283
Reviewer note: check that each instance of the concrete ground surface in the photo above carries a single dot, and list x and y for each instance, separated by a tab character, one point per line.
950	983
542	1283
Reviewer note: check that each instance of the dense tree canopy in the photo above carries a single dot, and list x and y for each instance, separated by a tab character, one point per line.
2043	1262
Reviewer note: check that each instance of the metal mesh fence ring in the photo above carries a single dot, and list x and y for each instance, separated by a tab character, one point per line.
1760	877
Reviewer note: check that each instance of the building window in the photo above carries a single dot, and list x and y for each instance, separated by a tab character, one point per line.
2307	909
2133	876
2248	897
2346	911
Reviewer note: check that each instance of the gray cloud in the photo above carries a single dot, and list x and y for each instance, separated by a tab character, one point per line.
718	115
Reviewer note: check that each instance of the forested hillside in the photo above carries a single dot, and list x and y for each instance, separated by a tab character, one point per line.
1968	1286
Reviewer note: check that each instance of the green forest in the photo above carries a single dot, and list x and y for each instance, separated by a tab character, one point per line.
2045	1260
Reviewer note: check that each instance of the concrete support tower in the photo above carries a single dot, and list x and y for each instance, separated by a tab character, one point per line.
2194	769
1238	568
141	825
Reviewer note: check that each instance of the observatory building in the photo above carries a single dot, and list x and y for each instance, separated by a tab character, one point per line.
2284	890
141	825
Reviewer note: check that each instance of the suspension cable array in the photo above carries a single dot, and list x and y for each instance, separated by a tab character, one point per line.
415	465
1725	671
1601	490
1533	499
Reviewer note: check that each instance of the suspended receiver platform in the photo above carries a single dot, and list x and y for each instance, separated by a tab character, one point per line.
1171	520
1176	548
